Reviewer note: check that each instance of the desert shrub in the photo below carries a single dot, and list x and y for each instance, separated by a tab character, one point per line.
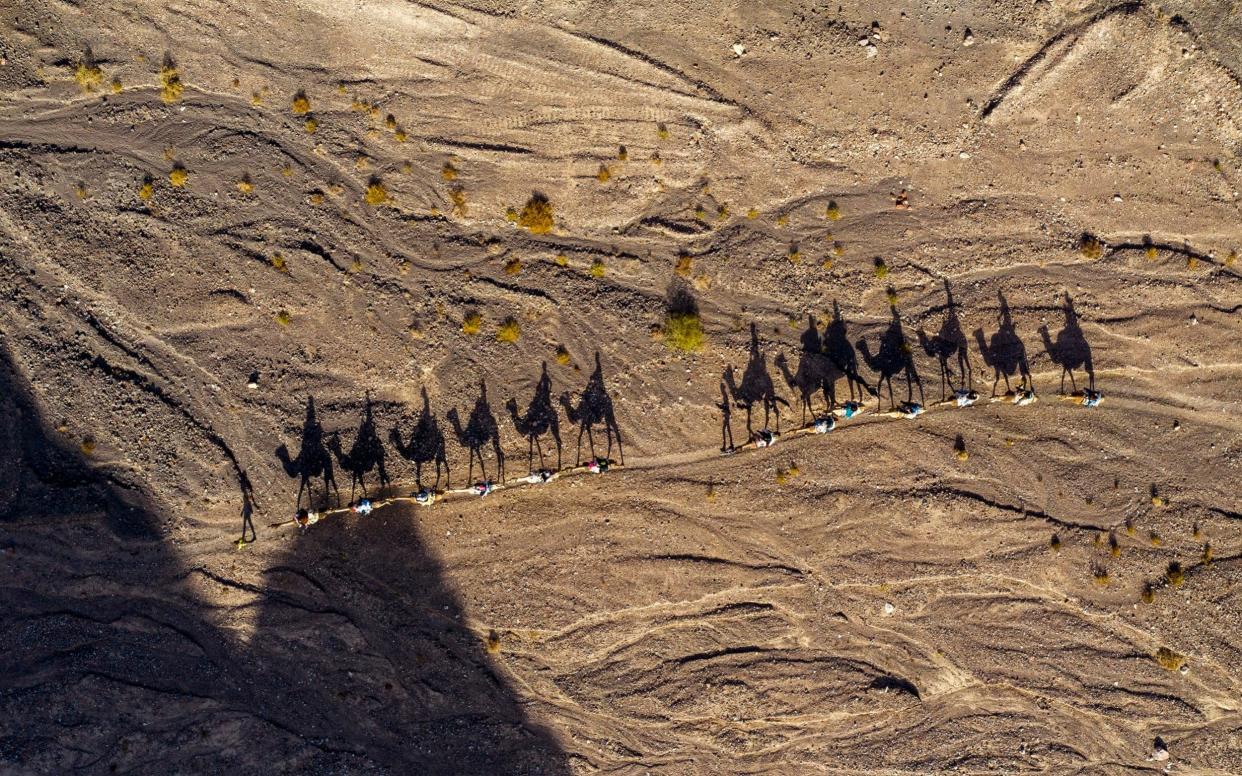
513	266
1169	660
1157	500
1231	258
959	449
603	174
256	98
1055	543
1099	573
683	328
782	219
147	190
700	213
1090	246
245	185
1114	547
493	642
752	214
1192	262
178	176
1174	574
794	255
881	269
562	260
279	263
509	331
536	216
399	135
838	249
376	193
1154	538
116	86
722	212
301	104
390	121
87	73
311	125
458	197
662	130
890	294
1130	526
1196	530
684	332
711	490
622	154
1148	594
88	444
597	268
170	81
656	160
472	324
1206	555
1149	248
283	318
448	172
562	355
684	266
833	211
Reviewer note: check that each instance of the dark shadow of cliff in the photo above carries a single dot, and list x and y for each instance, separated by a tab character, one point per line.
118	654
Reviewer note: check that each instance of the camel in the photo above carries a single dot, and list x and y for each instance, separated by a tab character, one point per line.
894	356
540	418
948	342
1005	354
1071	350
594	406
480	429
365	454
837	347
426	445
757	387
312	459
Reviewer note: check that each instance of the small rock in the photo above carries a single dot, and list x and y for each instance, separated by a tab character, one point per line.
889	609
1116	198
1159	751
963	155
739	49
968	39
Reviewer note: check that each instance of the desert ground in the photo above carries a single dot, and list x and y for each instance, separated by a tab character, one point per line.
242	239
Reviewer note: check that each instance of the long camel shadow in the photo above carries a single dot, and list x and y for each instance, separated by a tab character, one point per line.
365	454
480	429
950	344
348	655
1071	351
840	352
816	372
313	459
594	407
1004	353
426	445
757	387
894	355
540	418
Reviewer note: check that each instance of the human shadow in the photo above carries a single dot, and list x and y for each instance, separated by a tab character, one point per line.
815	374
480	429
950	343
349	654
726	411
1071	350
1004	353
540	418
894	355
837	347
247	509
313	459
757	387
594	407
365	454
426	445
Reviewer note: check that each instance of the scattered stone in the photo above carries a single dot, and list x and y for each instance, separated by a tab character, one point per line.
739	49
968	39
889	609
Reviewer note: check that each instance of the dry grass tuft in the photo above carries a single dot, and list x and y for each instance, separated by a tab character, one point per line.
562	355
959	449
833	211
536	216
794	254
311	125
1154	538
88	445
171	86
662	130
457	195
301	104
684	332
1099	572
684	266
178	176
472	324
448	172
752	214
116	86
509	331
1174	574
87	73
493	642
597	268
622	154
1169	660
1055	543
881	269
1148	594
513	266
376	193
245	185
284	318
147	190
279	263
603	174
1090	246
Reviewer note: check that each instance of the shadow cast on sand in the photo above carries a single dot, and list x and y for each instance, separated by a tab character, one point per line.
117	653
1004	353
1070	351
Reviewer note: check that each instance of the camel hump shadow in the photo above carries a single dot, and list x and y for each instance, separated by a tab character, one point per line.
893	356
1004	352
949	342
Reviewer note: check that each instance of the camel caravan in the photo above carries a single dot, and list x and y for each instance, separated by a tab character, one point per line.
825	358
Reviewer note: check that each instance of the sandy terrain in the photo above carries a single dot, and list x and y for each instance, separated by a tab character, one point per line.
214	213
